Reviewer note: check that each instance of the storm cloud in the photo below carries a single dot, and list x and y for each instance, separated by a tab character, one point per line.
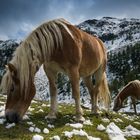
19	17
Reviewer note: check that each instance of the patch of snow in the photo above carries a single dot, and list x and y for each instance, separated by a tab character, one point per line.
80	132
37	137
92	138
43	105
31	109
75	132
26	117
100	127
2	121
50	125
131	131
30	123
137	123
87	122
106	120
75	125
2	113
45	130
55	137
31	129
10	125
37	130
40	110
118	120
114	132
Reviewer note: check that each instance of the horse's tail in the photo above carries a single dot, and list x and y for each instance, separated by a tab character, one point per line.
104	93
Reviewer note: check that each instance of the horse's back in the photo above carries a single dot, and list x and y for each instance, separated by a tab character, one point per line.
80	49
135	88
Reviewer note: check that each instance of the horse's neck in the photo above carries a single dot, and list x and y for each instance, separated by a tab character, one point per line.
126	92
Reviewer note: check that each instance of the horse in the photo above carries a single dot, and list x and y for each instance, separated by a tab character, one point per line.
60	47
132	89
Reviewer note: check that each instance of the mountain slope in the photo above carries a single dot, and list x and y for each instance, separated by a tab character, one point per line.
115	32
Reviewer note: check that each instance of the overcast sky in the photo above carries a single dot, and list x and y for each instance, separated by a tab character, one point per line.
19	17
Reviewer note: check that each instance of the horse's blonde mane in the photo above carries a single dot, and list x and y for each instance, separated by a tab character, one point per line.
34	50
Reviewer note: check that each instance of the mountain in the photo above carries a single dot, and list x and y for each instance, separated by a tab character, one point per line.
6	50
115	33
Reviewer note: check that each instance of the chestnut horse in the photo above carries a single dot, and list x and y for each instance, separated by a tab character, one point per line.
132	89
60	47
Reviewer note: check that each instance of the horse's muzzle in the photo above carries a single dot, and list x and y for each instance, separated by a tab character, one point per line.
12	117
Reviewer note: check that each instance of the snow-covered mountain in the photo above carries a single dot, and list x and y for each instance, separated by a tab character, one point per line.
116	33
6	50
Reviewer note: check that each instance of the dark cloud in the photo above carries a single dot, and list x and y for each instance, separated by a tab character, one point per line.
18	17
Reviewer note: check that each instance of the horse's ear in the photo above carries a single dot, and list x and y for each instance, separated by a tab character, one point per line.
11	68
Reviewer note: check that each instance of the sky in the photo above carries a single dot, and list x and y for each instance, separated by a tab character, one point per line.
19	17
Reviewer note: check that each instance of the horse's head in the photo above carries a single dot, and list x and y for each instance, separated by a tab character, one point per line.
117	104
16	104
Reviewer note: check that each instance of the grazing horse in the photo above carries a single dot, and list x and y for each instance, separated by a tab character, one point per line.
59	47
132	89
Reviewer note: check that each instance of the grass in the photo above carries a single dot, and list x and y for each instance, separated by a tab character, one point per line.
65	115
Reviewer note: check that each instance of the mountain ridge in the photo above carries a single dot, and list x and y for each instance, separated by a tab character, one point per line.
114	32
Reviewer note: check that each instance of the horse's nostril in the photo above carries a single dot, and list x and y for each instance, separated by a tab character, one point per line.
12	117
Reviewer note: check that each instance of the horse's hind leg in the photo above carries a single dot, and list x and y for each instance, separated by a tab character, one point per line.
51	74
74	79
90	86
94	89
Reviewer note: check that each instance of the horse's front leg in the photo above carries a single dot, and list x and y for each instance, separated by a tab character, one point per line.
53	93
134	104
74	79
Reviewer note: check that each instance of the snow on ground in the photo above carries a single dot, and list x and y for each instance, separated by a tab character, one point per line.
37	137
80	132
2	120
55	137
45	130
10	125
100	127
114	132
50	125
75	125
2	108
118	120
131	131
26	117
129	109
106	120
87	122
34	129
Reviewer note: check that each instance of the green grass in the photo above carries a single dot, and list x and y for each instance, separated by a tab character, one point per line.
65	115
